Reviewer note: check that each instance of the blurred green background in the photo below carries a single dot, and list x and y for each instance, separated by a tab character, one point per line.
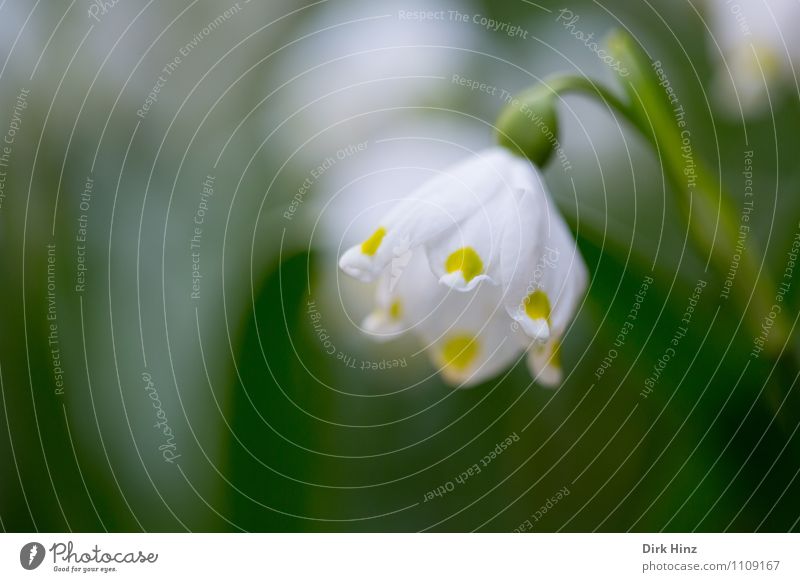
267	432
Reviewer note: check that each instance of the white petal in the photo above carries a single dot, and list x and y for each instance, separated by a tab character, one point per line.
439	205
457	281
406	294
566	276
755	45
382	325
470	253
542	270
356	264
469	337
484	221
537	329
743	82
545	365
520	262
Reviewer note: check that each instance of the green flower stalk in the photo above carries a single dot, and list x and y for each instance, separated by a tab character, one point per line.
653	109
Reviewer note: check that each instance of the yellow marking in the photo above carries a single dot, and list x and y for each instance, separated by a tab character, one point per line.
460	351
767	60
537	305
465	260
370	246
555	354
396	309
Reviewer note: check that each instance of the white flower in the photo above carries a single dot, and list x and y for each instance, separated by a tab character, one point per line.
478	262
756	45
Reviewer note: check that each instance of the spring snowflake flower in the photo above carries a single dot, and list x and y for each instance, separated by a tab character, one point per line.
756	46
478	263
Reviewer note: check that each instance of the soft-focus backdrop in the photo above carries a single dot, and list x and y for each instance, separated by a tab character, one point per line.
179	351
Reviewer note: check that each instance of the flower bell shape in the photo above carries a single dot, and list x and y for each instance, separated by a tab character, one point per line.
757	51
478	263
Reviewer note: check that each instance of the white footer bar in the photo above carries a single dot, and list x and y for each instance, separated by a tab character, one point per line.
401	557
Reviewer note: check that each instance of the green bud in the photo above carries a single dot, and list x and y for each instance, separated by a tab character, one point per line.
528	125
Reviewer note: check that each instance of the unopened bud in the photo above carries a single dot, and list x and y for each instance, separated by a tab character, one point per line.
528	126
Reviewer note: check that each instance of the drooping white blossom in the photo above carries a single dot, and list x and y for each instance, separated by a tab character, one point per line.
477	262
757	50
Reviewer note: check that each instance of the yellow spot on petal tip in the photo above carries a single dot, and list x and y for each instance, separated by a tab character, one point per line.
460	352
466	260
555	355
545	363
537	305
370	246
396	309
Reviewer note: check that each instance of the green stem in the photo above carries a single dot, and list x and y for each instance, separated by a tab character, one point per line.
713	222
654	110
582	85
